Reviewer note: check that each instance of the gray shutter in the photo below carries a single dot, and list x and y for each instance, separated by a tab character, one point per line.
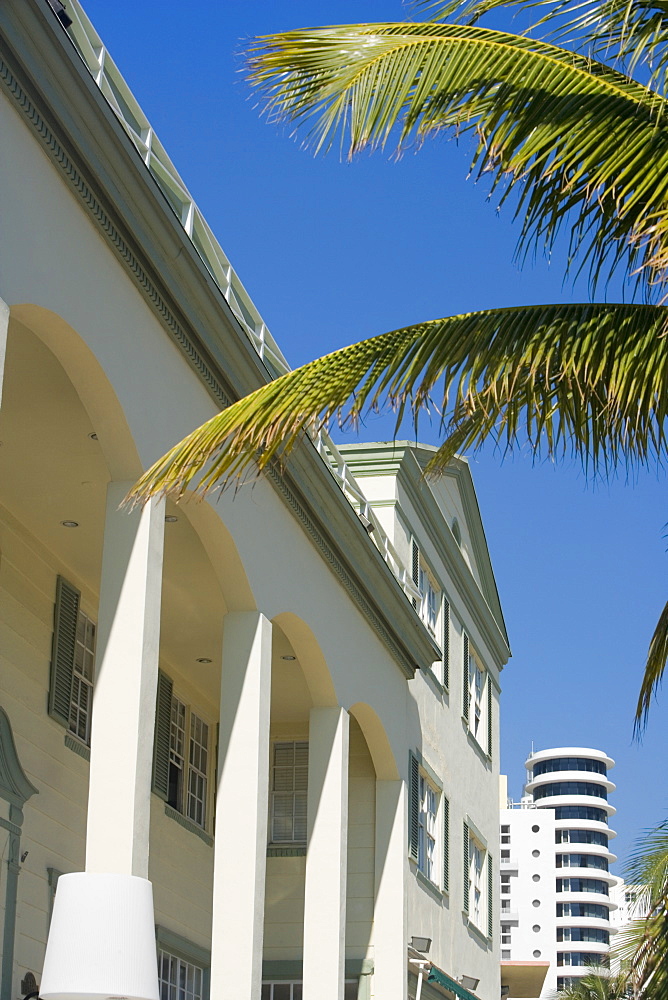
445	640
490	896
490	704
66	614
466	867
163	722
466	679
446	844
413	806
415	566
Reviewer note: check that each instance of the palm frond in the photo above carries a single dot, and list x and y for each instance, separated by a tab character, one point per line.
585	146
589	379
644	947
654	668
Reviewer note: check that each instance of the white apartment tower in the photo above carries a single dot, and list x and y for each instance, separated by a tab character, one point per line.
555	879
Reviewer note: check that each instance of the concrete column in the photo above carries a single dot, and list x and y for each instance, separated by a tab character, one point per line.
128	637
389	920
4	326
326	855
240	848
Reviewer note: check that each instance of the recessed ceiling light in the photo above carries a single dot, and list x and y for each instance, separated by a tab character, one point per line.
203	659
70	524
93	436
171	518
288	657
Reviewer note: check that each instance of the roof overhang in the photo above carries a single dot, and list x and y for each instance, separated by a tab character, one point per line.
523	979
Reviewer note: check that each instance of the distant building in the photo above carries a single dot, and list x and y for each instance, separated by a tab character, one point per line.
556	886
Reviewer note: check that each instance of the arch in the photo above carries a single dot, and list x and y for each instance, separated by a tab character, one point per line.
91	385
311	659
221	551
382	755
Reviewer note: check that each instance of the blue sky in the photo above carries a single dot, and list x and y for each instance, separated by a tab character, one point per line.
332	252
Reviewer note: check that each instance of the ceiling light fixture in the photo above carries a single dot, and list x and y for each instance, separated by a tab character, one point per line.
288	657
93	436
70	524
203	659
171	518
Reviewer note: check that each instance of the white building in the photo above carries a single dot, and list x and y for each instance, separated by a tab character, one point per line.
245	737
556	887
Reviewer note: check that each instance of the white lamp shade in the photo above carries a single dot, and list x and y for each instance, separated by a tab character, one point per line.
101	942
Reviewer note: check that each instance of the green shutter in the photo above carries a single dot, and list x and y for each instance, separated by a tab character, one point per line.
490	896
445	640
489	715
163	722
465	678
414	807
66	614
446	844
466	867
415	566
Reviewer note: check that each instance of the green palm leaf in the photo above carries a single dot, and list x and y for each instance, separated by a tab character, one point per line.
585	146
645	946
656	663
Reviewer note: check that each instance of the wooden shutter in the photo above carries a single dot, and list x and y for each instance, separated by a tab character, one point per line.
490	895
445	640
490	703
465	678
446	844
163	722
466	867
415	566
66	614
414	807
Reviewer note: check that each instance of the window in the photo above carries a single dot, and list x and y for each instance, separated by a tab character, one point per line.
505	855
596	934
178	979
569	764
581	812
582	861
293	990
594	910
188	763
587	958
505	935
571	788
478	882
433	608
289	784
581	837
582	885
505	884
477	698
427	829
83	675
505	906
72	663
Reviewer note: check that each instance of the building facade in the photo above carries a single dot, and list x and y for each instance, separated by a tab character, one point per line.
248	747
556	886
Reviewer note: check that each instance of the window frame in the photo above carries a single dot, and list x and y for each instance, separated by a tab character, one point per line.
180	948
181	805
274	793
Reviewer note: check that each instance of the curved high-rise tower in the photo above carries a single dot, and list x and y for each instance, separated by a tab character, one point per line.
573	783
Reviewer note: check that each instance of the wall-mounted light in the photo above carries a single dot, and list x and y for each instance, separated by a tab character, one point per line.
469	982
421	944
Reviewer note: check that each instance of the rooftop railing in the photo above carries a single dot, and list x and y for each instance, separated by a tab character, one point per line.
137	126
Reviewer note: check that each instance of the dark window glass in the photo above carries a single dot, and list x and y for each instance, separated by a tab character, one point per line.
564	982
569	764
596	934
587	958
581	812
595	910
581	837
582	885
582	861
571	788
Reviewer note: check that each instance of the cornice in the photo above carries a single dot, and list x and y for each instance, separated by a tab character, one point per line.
104	171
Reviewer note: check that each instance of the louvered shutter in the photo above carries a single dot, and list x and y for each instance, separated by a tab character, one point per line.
490	703
466	867
445	640
490	896
414	807
446	844
466	680
66	614
415	566
163	721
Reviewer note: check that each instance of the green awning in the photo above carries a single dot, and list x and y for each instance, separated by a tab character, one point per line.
436	976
